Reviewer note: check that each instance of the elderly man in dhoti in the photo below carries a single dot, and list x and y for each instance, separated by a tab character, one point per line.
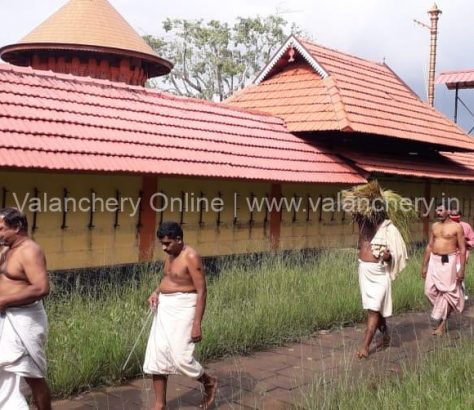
443	279
382	255
23	323
179	301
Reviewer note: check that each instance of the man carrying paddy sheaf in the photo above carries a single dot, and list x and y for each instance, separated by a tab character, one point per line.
382	253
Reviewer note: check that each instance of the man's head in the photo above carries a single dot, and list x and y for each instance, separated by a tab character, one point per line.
170	235
375	217
441	211
13	223
455	214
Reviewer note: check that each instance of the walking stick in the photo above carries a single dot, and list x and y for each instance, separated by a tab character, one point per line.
138	339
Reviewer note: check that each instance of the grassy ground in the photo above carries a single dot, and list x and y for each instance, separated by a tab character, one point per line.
442	379
280	299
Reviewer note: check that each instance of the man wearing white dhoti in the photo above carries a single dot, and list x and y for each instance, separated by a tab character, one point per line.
443	280
23	324
382	255
382	252
179	303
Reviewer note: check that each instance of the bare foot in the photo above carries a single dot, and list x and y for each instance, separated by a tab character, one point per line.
435	323
362	353
210	389
441	329
383	342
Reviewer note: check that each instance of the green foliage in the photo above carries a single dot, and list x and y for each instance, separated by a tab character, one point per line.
214	59
442	379
279	299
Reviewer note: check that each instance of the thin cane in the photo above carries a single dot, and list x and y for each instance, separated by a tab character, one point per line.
138	339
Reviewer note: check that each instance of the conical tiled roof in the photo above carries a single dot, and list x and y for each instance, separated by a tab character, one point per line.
91	25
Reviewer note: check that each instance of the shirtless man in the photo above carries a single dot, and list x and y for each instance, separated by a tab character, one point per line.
23	284
456	215
442	278
376	313
180	301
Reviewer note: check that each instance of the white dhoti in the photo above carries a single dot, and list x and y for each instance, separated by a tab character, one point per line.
170	349
23	333
375	287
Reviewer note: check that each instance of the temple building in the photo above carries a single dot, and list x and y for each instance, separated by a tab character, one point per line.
78	127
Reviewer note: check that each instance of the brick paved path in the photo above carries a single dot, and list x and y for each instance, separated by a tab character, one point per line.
276	379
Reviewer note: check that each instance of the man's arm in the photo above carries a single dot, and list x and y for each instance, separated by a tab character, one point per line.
154	300
196	271
426	256
462	252
33	263
469	236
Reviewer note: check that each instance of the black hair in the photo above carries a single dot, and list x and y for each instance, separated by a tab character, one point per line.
14	218
170	229
449	204
457	211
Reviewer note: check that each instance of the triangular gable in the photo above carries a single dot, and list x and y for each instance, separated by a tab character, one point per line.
291	42
366	97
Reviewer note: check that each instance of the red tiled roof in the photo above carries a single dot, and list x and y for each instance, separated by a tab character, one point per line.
61	122
466	159
461	79
452	166
325	89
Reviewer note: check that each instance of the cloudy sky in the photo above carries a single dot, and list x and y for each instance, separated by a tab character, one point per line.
372	29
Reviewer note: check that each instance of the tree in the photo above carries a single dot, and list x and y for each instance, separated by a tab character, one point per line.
212	59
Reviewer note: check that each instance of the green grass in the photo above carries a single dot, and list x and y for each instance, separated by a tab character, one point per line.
442	379
275	301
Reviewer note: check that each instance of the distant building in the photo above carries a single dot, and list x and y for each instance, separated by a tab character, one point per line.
76	122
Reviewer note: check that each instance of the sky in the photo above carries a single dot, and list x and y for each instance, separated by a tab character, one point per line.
377	30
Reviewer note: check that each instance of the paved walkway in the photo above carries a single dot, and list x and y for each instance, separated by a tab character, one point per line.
277	378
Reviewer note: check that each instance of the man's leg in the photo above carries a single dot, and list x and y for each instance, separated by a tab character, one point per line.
383	328
441	329
210	388
41	394
372	323
160	382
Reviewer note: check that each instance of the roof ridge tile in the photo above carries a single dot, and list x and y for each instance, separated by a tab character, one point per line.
335	50
338	104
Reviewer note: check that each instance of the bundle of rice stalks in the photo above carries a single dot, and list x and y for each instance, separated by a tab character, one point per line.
369	202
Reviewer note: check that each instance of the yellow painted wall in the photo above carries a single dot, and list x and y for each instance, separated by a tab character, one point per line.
319	227
77	245
230	236
80	246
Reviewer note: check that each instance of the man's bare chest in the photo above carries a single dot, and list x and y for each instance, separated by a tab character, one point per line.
176	269
446	233
10	268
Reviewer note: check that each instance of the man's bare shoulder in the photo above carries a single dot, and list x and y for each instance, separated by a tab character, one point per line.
31	249
191	253
453	226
